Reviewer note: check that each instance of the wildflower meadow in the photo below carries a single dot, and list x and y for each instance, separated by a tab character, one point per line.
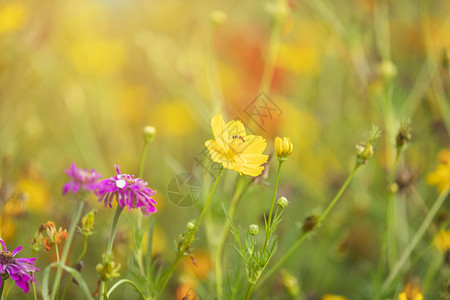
214	150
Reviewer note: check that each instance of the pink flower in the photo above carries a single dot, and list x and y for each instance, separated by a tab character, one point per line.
18	269
83	179
129	191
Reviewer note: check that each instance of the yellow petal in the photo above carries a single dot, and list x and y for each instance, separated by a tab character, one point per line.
252	165
218	129
254	145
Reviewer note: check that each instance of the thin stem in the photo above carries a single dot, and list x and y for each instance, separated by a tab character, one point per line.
112	234
184	248
68	243
249	291
141	173
239	192
1	290
269	220
304	235
339	194
415	240
82	252
274	49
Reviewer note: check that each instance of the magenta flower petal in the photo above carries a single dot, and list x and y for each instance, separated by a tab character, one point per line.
81	179
18	269
130	192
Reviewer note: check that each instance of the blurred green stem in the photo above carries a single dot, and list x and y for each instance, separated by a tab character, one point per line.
274	49
238	193
138	252
112	234
305	234
249	290
1	289
269	220
415	240
76	217
165	278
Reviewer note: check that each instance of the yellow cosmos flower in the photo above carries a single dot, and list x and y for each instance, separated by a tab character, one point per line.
236	150
441	176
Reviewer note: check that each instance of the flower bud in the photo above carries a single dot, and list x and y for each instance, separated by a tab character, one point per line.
218	17
149	133
403	136
387	69
290	283
108	269
88	222
283	148
282	202
190	225
253	229
310	223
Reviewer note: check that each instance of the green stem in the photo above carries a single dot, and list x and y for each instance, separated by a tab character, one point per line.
269	220
1	290
304	235
82	252
249	291
112	234
239	192
184	248
141	173
415	240
339	194
68	243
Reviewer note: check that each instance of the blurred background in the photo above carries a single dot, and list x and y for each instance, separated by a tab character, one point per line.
80	79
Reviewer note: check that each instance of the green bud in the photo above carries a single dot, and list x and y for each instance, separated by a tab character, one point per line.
403	135
190	225
253	229
149	133
282	202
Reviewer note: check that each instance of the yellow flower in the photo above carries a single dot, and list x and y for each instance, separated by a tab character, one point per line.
441	176
283	147
442	240
236	150
411	291
333	297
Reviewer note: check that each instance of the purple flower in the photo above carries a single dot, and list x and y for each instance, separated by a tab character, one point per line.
81	179
131	192
18	269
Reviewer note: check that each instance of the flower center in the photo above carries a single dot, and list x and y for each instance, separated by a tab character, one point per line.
6	258
121	183
237	144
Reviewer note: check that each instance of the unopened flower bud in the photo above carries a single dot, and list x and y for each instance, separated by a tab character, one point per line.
149	133
403	136
364	151
310	223
283	148
290	283
253	229
387	69
282	202
108	269
218	17
88	222
190	225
